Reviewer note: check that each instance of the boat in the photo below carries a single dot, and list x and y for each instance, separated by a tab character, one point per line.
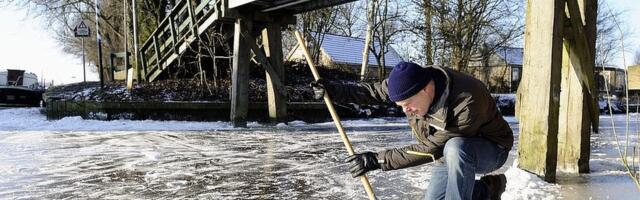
20	89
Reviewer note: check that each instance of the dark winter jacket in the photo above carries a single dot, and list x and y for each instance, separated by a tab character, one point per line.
464	109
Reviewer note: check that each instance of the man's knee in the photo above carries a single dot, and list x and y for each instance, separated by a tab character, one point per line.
455	151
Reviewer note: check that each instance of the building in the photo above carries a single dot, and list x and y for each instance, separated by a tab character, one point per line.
346	53
612	79
18	78
501	70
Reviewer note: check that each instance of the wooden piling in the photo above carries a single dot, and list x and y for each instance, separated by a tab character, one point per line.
240	72
556	99
539	91
272	44
578	97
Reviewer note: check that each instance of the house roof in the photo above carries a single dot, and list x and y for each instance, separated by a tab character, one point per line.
512	55
348	50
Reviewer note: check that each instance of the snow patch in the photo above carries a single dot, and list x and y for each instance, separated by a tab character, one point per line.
524	185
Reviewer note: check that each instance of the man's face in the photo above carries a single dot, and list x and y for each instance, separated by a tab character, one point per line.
419	103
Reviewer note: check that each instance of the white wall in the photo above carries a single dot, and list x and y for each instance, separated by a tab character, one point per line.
3	78
30	79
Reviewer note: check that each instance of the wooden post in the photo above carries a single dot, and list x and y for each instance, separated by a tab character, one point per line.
576	97
556	100
272	43
539	91
112	57
240	72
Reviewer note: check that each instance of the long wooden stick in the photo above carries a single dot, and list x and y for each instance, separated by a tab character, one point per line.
334	114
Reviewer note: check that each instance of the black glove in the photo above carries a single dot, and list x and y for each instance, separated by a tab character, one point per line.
319	88
362	163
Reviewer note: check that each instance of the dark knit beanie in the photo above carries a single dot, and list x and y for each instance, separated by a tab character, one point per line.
406	79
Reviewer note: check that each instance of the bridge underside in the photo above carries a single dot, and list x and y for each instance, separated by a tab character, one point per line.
188	22
287	6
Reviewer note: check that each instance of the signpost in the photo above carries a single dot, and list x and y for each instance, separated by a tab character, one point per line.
82	31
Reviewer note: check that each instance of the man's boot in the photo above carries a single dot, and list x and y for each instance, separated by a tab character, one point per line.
496	185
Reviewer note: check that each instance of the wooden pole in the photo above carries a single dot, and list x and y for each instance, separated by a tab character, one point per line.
334	114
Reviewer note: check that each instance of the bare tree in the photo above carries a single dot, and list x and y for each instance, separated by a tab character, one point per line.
315	24
387	27
422	28
372	9
453	31
608	37
347	22
465	25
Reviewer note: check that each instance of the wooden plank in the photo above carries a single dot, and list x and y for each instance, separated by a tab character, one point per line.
143	68
276	96
574	122
157	51
174	35
240	72
539	91
192	18
578	110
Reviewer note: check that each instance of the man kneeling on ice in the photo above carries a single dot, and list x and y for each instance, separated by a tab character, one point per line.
454	119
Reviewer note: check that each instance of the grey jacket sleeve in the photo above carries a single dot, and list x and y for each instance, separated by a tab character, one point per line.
361	93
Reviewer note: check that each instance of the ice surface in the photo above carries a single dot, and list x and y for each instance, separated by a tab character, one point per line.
122	159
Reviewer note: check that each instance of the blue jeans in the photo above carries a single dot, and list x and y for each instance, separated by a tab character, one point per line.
453	176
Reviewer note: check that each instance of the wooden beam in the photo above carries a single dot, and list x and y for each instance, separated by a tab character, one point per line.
240	72
578	111
264	62
539	91
276	96
584	53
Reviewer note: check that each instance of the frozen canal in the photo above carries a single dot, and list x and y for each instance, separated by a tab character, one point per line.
83	159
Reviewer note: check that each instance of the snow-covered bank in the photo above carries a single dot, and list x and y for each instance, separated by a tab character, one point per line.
76	158
30	119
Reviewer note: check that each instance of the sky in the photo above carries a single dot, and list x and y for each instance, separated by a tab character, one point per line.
26	43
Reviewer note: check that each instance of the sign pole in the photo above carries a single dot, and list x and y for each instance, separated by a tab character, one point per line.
82	30
84	67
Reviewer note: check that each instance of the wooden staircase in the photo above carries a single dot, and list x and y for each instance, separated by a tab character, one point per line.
180	29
